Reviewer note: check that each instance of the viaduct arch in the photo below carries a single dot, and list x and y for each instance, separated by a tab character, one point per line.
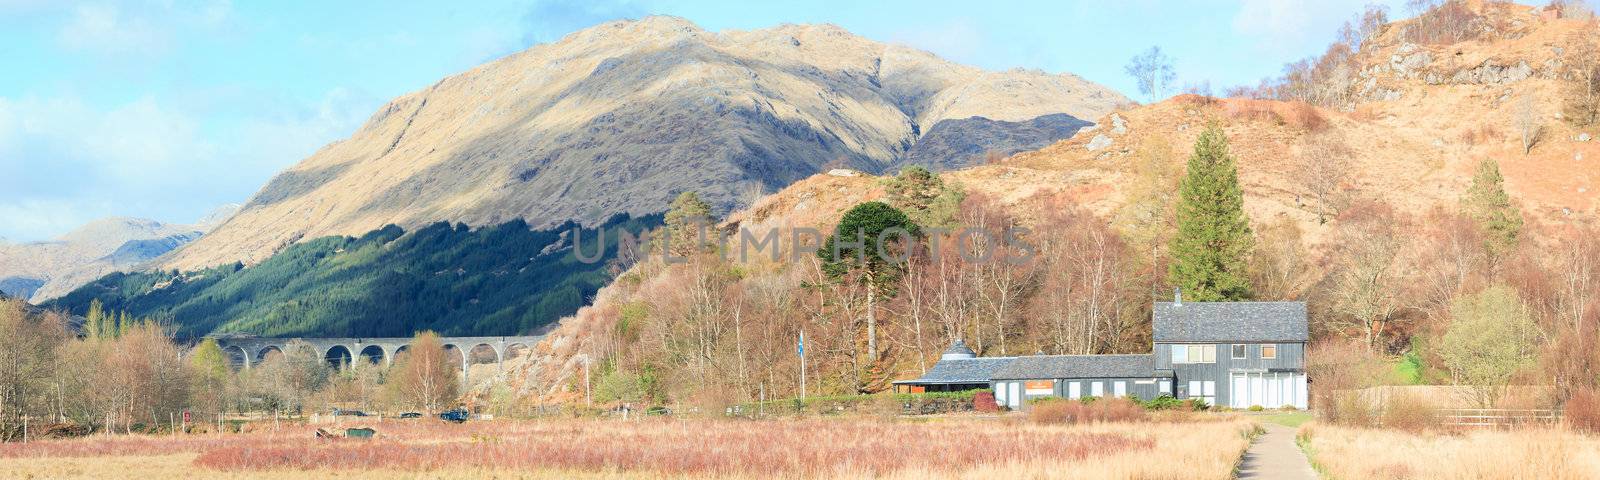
246	352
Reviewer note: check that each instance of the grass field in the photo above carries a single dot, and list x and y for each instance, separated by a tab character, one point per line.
1360	453
811	448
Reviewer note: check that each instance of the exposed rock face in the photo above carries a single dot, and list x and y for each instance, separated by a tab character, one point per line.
962	143
621	117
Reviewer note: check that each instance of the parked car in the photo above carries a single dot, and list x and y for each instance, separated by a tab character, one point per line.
349	413
410	415
458	415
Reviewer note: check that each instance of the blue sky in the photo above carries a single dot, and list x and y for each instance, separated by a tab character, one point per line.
165	109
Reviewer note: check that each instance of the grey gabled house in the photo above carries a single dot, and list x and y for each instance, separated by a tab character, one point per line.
1237	354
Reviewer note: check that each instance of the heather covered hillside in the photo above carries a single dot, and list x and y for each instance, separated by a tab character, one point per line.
1393	212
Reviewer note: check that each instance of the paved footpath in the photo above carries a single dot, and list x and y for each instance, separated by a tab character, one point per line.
1274	456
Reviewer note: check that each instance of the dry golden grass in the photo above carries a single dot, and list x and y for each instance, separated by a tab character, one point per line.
1359	453
817	448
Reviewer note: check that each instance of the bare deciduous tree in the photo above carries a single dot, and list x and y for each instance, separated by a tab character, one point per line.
1370	276
1528	123
1152	72
1324	165
425	377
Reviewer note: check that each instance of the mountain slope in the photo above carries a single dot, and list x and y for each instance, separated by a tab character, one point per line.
619	118
499	280
1413	146
40	271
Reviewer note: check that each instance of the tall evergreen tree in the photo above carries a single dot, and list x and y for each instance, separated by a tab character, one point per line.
95	323
1488	204
855	247
924	197
1211	252
685	218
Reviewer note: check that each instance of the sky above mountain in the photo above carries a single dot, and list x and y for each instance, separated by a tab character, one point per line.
165	109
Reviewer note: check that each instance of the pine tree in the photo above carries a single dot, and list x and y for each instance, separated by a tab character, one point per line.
685	218
1488	204
924	197
94	324
1211	252
855	247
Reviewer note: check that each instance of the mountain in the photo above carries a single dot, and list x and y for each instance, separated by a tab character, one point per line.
498	280
621	117
40	271
1401	122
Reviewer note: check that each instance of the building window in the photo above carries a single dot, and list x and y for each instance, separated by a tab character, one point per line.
1119	389
1097	389
1239	352
1206	391
1194	354
1269	351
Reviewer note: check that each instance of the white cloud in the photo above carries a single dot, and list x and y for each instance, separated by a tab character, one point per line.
1293	26
957	40
67	162
142	28
104	29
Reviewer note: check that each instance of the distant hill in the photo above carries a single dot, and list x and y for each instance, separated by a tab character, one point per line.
621	117
39	271
499	280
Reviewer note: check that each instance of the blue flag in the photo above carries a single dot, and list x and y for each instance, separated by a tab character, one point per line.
800	347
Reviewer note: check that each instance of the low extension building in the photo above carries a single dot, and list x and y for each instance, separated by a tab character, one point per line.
959	369
1239	354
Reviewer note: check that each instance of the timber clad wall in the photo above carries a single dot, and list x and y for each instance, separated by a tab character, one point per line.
1290	358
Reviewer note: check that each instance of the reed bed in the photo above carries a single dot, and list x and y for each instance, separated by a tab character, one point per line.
1534	453
805	448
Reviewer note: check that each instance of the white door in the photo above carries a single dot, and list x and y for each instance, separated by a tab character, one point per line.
1274	392
1257	388
1300	395
1286	384
1166	387
1239	397
1014	396
1097	389
1120	389
1074	390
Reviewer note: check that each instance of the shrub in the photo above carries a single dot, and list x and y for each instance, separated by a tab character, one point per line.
1256	408
1348	408
1288	408
1300	115
984	402
1408	413
1055	410
1165	402
1583	411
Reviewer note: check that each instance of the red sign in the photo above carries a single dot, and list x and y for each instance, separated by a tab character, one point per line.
185	416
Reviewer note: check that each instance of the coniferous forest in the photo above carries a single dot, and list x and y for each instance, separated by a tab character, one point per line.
500	280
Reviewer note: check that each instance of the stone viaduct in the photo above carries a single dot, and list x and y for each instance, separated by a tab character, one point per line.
246	352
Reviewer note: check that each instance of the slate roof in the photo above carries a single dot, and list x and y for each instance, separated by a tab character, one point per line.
959	348
964	370
1230	322
1080	366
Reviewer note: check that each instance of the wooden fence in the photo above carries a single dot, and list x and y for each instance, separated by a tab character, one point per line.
1497	417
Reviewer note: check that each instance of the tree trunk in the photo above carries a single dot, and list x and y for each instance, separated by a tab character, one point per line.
872	322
